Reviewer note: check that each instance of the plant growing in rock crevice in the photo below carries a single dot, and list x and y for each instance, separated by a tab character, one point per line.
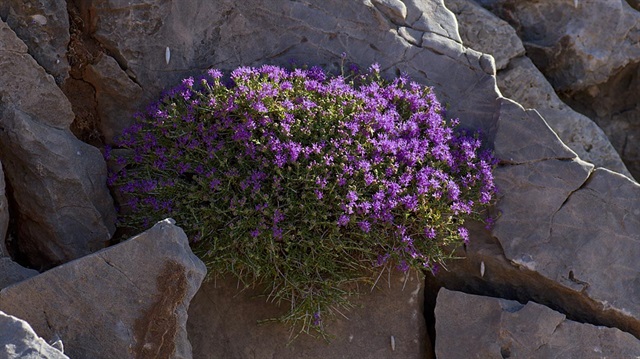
303	181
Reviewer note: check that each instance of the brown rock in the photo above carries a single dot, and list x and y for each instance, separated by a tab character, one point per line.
386	323
127	301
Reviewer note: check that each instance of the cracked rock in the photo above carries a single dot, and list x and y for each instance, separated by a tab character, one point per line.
63	207
476	326
44	28
19	341
126	301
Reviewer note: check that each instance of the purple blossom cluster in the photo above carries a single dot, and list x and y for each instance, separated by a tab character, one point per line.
281	163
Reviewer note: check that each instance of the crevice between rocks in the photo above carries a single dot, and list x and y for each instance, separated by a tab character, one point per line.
82	51
503	278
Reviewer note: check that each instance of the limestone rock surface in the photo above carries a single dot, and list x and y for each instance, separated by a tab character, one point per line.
116	94
44	28
483	31
126	301
524	83
386	323
159	45
4	215
64	209
588	50
519	80
19	341
575	44
471	326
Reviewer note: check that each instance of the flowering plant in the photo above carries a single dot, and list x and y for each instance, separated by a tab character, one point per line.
303	181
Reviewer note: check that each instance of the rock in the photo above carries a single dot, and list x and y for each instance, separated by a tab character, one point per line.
24	83
388	322
116	96
523	82
4	216
484	32
11	272
59	185
127	301
44	28
227	34
497	328
575	44
63	207
18	340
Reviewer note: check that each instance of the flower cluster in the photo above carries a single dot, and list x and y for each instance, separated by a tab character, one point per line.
305	181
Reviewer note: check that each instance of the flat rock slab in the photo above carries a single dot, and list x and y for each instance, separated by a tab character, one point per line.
471	326
386	323
127	301
19	341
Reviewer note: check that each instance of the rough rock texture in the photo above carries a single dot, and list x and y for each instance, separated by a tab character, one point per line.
575	44
615	106
520	80
127	301
116	95
566	235
387	323
589	52
4	215
11	272
471	326
63	207
19	341
227	34
44	27
523	82
483	31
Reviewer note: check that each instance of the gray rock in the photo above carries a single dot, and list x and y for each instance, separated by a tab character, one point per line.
524	83
44	28
59	185
484	327
4	216
116	96
558	218
11	272
521	81
127	301
19	341
484	32
386	323
64	209
226	34
575	44
26	85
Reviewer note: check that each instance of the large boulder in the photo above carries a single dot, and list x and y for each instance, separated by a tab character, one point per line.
519	80
158	45
127	301
566	235
575	44
589	52
387	322
63	207
19	341
484	327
